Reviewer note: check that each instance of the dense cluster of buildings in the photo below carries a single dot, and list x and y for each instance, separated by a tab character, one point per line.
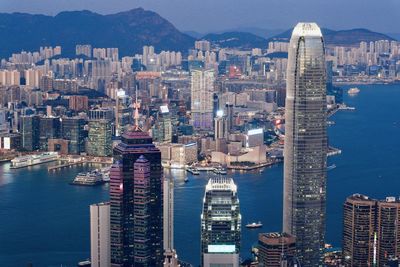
164	109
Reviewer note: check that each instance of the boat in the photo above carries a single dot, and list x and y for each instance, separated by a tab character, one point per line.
30	160
193	171
186	180
353	91
88	178
254	225
331	167
85	263
220	170
105	173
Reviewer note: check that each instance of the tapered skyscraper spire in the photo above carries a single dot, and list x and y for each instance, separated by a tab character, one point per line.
306	144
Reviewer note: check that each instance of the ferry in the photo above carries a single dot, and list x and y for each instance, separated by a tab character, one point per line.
331	167
88	178
254	225
30	160
353	91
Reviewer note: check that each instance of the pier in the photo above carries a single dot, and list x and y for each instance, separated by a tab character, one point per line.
332	151
72	161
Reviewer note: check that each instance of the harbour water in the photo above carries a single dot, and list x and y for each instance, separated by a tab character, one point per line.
44	220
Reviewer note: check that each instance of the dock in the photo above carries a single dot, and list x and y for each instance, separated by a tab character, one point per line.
256	166
332	151
68	162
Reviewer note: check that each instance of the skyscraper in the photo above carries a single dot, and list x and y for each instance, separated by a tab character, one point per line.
272	247
123	112
388	230
220	126
306	144
73	130
30	131
100	138
162	129
220	224
370	231
202	89
100	234
136	200
50	128
170	257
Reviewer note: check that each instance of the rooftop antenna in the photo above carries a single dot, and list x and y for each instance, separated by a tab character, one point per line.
136	105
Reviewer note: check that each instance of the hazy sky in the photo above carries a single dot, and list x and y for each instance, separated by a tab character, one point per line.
213	15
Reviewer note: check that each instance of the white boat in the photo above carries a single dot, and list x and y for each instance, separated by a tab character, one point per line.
331	167
254	225
29	160
220	170
353	91
88	178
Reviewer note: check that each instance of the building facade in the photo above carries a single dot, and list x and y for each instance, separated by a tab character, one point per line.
371	233
202	90
30	132
136	200
306	144
100	235
273	247
220	224
74	131
100	138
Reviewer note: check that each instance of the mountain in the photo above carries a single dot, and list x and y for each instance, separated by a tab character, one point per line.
247	40
129	31
243	40
194	34
264	33
340	38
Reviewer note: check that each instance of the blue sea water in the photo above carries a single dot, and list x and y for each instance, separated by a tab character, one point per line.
45	221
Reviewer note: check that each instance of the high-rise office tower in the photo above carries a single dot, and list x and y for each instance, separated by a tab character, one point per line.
371	231
202	89
220	224
220	126
50	128
4	124
73	130
170	257
136	200
229	116
30	131
123	112
273	247
215	104
162	129
306	144
100	235
100	138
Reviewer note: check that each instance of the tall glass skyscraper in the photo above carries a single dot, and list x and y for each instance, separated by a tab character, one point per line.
306	144
220	224
136	202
